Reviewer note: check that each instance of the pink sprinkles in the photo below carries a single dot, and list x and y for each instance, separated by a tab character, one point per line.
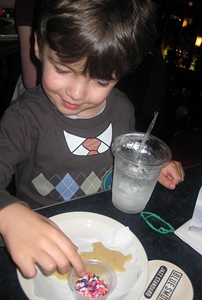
91	285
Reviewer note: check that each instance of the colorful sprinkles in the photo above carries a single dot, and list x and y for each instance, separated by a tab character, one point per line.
91	285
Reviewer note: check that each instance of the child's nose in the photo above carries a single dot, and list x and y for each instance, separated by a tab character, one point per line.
78	90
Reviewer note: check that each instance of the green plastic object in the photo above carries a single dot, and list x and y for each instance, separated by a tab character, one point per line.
162	230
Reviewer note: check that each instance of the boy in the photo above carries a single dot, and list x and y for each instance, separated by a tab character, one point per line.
57	139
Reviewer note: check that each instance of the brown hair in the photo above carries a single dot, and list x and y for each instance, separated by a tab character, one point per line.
111	35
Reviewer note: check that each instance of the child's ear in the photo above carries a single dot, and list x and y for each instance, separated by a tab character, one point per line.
36	47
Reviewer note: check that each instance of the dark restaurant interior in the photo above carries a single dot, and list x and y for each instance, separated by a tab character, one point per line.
168	80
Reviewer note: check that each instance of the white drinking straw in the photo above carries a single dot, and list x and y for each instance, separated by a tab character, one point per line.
148	131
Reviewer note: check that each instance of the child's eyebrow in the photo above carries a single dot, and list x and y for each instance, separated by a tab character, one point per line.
66	65
59	62
54	60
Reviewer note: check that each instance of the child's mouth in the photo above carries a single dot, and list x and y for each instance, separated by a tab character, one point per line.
70	105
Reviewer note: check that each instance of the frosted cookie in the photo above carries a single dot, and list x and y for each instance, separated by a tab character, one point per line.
60	276
113	258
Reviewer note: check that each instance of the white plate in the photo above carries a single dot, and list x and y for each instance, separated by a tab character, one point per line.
86	224
8	37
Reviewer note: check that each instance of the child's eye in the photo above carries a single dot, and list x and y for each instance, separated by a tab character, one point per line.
59	71
103	83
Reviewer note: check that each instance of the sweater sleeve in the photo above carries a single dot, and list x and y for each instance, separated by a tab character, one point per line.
15	145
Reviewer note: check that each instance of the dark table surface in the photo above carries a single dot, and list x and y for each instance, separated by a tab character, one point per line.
176	207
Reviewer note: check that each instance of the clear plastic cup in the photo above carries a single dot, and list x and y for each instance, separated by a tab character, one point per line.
100	268
136	172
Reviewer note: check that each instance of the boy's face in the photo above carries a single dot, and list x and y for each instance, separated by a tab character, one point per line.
71	92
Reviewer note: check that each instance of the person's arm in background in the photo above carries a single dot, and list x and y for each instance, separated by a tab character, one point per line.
7	3
29	68
24	20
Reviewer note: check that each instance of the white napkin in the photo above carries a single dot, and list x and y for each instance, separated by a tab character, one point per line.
191	231
49	287
189	237
196	221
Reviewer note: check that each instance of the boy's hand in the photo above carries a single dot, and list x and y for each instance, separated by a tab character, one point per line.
31	238
171	175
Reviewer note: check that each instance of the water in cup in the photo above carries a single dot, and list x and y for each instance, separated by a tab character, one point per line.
136	173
